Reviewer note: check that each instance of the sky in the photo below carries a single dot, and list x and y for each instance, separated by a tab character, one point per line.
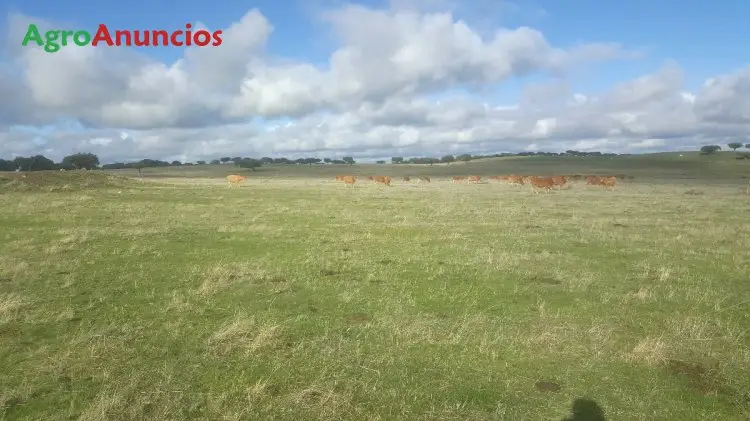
378	79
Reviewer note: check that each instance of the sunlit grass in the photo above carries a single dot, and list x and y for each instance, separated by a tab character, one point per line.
304	299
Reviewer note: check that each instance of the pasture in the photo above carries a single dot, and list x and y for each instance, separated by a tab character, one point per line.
295	297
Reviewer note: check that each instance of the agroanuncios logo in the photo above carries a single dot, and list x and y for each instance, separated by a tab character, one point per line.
54	40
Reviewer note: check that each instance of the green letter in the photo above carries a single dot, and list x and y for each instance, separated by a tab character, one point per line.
81	38
32	34
51	46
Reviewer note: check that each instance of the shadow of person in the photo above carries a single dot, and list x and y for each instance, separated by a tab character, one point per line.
585	410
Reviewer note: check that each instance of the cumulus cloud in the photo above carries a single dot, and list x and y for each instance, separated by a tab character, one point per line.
412	79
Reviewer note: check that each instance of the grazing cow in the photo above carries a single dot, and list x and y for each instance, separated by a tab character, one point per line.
349	180
608	181
235	180
515	179
592	180
340	177
407	178
381	179
538	183
475	178
424	178
560	180
458	178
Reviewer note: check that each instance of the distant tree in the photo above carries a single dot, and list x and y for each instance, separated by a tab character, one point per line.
236	160
7	165
266	160
176	163
34	163
710	149
338	161
216	162
327	160
88	161
225	159
448	158
380	162
249	163
200	162
139	166
464	157
747	145
397	160
349	160
734	145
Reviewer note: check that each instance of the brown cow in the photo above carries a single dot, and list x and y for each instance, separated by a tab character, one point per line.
515	179
560	180
235	180
538	183
381	179
424	178
458	178
475	178
592	180
610	181
349	180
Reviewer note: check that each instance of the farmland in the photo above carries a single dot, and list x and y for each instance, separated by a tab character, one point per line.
170	296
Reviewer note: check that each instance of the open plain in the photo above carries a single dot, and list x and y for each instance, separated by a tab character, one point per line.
172	296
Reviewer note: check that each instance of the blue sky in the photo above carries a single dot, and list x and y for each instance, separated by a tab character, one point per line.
706	39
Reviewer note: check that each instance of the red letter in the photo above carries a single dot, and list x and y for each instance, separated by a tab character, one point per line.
173	38
188	35
128	39
164	35
141	42
102	34
205	35
217	38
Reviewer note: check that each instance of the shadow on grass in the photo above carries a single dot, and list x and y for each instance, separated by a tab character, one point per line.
585	410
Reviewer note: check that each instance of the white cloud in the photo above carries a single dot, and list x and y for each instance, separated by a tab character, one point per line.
374	97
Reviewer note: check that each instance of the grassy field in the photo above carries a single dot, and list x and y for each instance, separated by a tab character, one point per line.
174	297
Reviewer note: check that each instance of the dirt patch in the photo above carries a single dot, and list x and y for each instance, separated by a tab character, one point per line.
545	280
547	386
706	380
358	318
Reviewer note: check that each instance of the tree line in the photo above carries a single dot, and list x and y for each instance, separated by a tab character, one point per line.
89	161
712	149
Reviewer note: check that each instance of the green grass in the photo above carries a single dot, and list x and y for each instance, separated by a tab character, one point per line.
298	298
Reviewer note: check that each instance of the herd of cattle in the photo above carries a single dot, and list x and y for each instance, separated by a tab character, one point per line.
537	183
